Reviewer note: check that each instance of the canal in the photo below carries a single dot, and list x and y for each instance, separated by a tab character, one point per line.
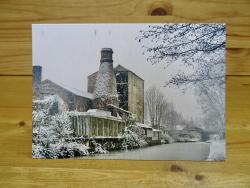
175	151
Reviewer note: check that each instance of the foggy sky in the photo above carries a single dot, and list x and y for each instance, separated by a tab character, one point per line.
69	53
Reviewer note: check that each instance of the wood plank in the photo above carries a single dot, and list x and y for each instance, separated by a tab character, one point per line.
17	167
237	61
16	91
48	9
195	9
78	177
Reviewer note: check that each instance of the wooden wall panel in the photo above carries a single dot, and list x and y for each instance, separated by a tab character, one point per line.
17	169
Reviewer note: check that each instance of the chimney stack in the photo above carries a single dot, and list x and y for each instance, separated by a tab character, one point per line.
106	55
36	75
105	87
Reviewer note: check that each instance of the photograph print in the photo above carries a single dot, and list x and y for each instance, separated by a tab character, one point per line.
129	91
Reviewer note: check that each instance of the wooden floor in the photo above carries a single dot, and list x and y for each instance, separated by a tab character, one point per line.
17	169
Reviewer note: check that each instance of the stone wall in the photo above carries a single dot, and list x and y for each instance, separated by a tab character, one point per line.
136	96
71	100
130	89
91	82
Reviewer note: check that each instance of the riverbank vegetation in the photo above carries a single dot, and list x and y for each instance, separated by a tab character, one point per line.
53	134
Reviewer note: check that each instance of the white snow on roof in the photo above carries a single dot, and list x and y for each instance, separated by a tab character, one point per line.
120	68
121	109
75	91
143	125
156	130
179	127
95	113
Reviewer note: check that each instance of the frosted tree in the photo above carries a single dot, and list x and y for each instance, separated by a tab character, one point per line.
52	132
212	103
200	48
198	52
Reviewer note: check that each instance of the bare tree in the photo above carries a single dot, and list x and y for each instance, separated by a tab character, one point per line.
155	104
171	117
160	111
200	47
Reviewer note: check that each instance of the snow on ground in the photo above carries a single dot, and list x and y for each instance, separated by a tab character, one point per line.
217	150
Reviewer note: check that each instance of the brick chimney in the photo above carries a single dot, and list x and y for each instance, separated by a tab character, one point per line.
36	75
105	87
36	80
106	55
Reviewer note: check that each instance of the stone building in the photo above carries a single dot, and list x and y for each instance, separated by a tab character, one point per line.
130	89
36	79
37	75
70	99
105	92
110	89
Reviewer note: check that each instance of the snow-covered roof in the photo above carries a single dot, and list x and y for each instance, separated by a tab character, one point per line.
72	90
46	100
143	125
93	74
118	108
95	113
179	127
120	68
156	130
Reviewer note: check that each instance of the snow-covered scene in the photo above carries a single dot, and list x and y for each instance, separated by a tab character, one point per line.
129	91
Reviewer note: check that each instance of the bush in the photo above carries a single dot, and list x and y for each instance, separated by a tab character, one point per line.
50	131
167	138
134	137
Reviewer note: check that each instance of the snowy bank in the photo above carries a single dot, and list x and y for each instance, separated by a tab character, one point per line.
51	131
217	151
135	137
